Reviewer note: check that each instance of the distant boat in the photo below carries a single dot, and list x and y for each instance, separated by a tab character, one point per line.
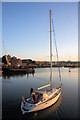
69	64
62	66
69	70
7	70
44	99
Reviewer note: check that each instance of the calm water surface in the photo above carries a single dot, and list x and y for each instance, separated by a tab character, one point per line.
14	87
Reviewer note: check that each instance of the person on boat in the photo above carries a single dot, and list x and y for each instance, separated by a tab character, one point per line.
32	93
23	100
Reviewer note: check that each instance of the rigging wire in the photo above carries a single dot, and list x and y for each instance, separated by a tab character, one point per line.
56	50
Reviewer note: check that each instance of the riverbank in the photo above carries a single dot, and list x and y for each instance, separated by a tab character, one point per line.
17	71
44	66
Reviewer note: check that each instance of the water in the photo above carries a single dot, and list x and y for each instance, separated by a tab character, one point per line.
14	87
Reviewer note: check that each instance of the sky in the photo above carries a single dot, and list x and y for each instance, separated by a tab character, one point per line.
26	26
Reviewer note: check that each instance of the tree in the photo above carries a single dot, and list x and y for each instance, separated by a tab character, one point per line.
4	59
14	60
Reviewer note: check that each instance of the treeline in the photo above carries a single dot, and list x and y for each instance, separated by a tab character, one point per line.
24	63
13	60
17	62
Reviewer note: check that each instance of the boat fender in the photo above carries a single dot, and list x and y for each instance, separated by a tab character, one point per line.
22	98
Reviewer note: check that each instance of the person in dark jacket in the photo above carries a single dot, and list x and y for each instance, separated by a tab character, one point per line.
32	93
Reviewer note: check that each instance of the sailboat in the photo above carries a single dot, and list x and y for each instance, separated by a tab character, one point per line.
44	99
69	64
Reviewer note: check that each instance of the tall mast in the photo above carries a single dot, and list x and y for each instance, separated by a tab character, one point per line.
51	50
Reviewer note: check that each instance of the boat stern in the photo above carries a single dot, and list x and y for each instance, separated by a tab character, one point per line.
27	107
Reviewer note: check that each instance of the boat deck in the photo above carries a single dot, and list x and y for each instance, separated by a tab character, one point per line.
43	95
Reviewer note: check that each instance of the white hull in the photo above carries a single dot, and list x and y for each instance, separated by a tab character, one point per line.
46	104
39	106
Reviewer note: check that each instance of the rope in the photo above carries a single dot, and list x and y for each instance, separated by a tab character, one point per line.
56	50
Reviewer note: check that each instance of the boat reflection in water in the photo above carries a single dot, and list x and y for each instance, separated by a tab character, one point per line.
8	76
